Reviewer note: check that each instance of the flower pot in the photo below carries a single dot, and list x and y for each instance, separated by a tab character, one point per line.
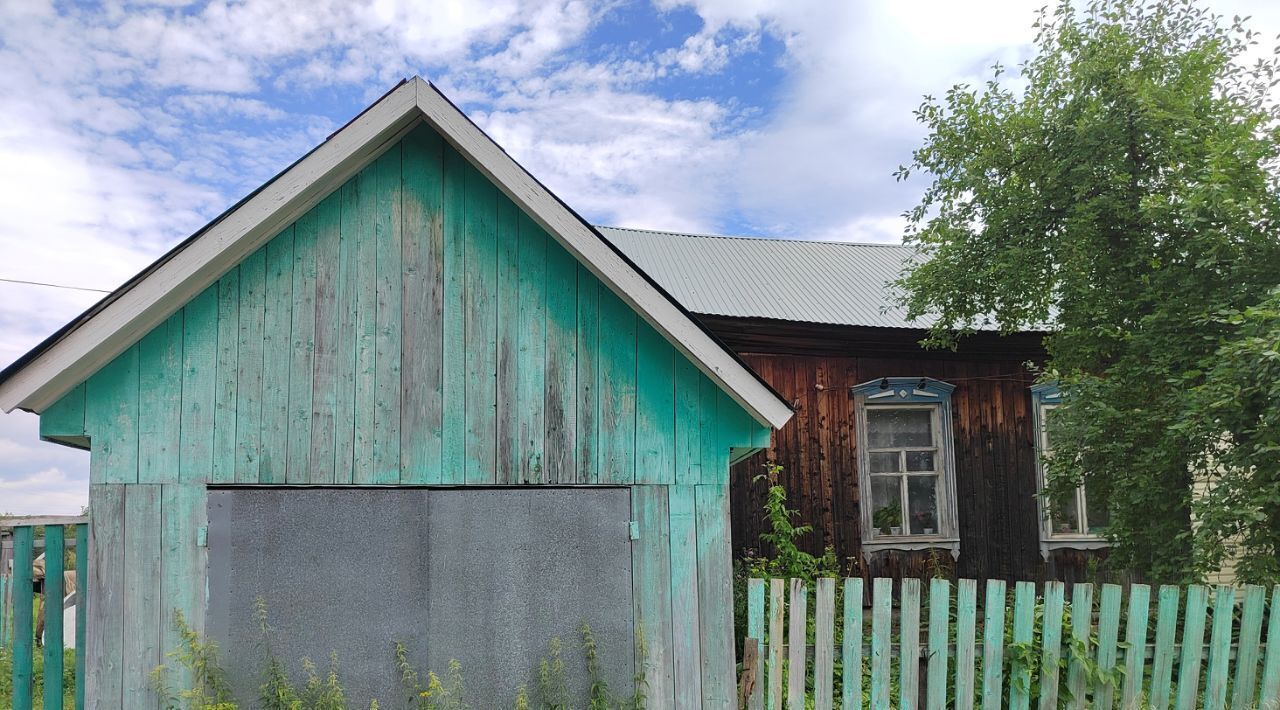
895	530
928	531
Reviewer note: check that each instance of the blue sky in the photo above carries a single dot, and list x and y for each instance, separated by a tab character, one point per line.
126	126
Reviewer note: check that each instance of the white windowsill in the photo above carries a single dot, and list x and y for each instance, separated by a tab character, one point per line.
911	542
1072	542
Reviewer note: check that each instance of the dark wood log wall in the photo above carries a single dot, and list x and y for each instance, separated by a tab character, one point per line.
813	367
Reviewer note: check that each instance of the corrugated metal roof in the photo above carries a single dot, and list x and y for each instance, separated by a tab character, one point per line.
838	283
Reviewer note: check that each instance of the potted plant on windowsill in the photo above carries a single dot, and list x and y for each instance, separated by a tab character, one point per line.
888	520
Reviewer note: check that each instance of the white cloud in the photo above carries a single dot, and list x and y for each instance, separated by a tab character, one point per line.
39	478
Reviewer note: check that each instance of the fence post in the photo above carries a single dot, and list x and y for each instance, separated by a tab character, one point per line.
82	607
851	647
824	642
1192	646
23	631
755	630
797	645
1242	694
1051	638
1024	619
777	612
939	622
54	557
993	645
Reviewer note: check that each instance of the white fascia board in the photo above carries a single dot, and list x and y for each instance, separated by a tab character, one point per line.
587	246
147	304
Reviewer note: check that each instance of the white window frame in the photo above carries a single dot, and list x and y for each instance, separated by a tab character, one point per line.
909	393
1045	398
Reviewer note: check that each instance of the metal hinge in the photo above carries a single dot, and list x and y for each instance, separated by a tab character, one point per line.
202	537
634	529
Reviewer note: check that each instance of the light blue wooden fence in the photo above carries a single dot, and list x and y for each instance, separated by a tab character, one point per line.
1044	651
17	620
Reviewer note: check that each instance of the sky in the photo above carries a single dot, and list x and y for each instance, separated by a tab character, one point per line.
126	126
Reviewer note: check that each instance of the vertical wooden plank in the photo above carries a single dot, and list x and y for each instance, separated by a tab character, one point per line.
1271	667
797	644
112	416
183	511
655	407
777	613
66	416
966	654
160	401
939	628
481	328
562	366
755	630
250	342
1192	645
1081	625
715	596
909	644
277	343
588	381
389	316
1024	608
104	647
82	612
824	643
650	561
618	325
54	558
1108	631
359	222
454	433
508	343
993	645
331	370
422	344
1135	638
348	296
881	648
1166	636
1051	644
686	644
1243	690
715	450
851	646
531	393
199	379
226	378
302	347
688	424
23	620
141	646
1224	604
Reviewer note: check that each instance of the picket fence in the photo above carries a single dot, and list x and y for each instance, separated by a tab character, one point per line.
1168	665
17	621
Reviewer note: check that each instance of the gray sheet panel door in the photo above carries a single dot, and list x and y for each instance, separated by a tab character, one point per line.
486	576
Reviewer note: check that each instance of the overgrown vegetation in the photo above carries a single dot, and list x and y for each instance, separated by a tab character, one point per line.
68	676
1124	188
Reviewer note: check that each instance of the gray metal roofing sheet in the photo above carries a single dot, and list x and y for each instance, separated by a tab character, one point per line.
838	283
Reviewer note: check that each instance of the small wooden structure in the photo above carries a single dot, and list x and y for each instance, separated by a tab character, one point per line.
404	307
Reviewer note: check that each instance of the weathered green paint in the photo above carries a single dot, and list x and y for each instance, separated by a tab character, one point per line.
881	614
1271	666
851	646
909	644
824	643
1135	638
1051	644
1081	624
1163	658
1215	692
1108	632
65	419
54	557
797	644
966	653
993	645
1244	688
23	622
82	593
939	621
755	630
1192	646
777	613
1024	607
414	327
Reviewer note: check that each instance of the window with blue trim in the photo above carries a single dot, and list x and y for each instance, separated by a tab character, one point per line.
1071	519
906	464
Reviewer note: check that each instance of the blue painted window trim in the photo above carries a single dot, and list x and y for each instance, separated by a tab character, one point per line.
1046	395
910	391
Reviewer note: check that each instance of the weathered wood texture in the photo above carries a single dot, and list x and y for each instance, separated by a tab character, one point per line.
412	328
817	449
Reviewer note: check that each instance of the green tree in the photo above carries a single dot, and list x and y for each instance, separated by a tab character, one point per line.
1123	188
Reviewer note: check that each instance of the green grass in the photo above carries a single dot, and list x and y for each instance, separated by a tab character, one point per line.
68	678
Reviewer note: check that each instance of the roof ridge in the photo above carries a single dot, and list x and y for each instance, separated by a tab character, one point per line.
758	238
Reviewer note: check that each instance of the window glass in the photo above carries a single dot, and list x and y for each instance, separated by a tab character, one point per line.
884	461
886	503
920	461
1098	516
922	501
1064	514
889	428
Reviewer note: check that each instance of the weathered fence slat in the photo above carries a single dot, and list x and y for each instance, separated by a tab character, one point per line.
4	610
777	608
909	644
23	630
851	646
966	624
82	596
993	646
939	623
1108	632
1166	635
1051	642
1135	638
54	539
824	641
1081	626
1271	668
1024	611
1242	693
1224	604
881	610
797	644
1192	646
755	630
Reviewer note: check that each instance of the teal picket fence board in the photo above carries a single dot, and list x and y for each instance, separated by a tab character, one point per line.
18	597
1034	648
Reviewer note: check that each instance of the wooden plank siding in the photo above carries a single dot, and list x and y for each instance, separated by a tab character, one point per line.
413	328
817	450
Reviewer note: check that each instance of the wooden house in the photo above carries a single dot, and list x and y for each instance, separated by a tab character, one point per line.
907	461
403	393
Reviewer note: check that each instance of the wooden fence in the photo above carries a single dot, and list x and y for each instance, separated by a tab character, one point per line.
17	617
1046	654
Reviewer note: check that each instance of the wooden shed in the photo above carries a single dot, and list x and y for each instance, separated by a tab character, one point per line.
402	323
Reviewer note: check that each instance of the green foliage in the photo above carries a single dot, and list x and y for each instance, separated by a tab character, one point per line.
783	537
1124	188
37	673
205	685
